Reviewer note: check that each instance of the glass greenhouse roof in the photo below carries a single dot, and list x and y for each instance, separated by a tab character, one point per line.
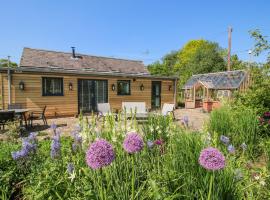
218	80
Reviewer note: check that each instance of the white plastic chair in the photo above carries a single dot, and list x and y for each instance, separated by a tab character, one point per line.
104	108
168	108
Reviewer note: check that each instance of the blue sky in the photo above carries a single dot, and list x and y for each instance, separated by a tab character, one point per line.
133	29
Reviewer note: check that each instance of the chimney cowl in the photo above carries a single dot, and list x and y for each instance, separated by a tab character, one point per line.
73	52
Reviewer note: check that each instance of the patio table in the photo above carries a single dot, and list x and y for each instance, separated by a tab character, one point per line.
22	113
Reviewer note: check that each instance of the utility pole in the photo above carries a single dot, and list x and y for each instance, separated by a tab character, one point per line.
9	82
229	47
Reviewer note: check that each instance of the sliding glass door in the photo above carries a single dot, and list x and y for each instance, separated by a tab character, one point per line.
90	93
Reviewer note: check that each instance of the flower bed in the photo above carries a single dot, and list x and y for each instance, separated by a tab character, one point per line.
124	160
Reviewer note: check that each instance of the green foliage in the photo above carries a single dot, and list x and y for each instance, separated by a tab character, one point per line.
167	171
240	124
199	56
4	63
261	43
258	94
13	130
166	66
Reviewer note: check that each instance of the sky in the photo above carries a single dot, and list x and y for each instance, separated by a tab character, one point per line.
132	29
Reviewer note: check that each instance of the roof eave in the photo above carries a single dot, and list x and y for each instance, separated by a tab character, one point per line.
80	72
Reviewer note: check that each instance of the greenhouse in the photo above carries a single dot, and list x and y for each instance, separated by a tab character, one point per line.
206	90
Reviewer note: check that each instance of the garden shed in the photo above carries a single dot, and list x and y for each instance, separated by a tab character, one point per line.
206	90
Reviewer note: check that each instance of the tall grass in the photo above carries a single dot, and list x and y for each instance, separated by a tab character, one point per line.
240	124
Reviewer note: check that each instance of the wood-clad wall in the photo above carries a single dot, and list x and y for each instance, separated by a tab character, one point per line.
31	97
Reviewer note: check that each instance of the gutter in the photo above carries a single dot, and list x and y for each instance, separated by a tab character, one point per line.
9	85
85	73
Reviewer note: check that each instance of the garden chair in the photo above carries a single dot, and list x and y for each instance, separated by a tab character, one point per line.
104	108
5	117
38	115
131	107
167	108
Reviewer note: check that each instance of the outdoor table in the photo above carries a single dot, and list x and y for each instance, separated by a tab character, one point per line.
22	113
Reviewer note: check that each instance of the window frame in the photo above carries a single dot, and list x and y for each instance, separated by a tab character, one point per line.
129	87
57	94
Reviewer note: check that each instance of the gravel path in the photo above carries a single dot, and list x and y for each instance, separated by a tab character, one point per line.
196	117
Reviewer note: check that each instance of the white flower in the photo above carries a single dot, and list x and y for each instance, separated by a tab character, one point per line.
72	176
262	183
114	139
151	129
256	177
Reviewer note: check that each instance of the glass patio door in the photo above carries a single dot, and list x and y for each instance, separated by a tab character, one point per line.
90	93
156	94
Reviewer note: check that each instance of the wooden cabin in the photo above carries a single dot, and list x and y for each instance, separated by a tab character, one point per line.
206	90
68	83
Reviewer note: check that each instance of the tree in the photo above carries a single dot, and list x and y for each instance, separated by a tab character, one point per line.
4	63
261	43
166	66
199	56
258	94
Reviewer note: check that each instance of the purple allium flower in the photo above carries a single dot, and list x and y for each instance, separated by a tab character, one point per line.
243	146
19	154
186	120
100	114
99	154
150	144
77	144
32	136
78	128
70	168
224	139
212	159
55	147
159	142
28	147
231	149
267	114
133	143
74	147
53	126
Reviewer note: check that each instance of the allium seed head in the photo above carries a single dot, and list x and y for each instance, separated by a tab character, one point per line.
212	159
99	154
133	142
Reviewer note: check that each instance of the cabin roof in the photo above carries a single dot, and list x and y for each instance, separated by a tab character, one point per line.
218	80
37	58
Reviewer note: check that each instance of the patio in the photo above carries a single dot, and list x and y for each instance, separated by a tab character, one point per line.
196	117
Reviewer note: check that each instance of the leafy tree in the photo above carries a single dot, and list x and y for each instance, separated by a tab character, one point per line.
4	63
199	56
261	43
166	66
258	94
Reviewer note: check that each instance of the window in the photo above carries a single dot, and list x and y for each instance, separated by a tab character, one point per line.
123	87
52	86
